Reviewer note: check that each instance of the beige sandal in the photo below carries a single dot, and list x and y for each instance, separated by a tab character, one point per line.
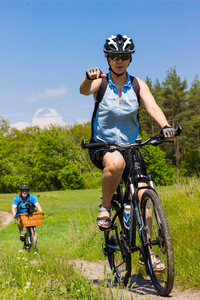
106	219
154	260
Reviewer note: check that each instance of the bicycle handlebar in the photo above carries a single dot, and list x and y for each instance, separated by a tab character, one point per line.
153	140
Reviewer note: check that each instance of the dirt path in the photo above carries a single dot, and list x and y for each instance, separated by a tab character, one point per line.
142	289
5	218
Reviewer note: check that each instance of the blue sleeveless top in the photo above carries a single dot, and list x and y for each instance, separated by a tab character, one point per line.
115	122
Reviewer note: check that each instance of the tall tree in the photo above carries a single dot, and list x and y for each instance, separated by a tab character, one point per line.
146	121
193	128
174	105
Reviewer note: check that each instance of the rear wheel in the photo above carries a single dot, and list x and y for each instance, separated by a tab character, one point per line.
159	241
119	256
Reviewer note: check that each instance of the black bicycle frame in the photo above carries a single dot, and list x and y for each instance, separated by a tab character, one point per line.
132	187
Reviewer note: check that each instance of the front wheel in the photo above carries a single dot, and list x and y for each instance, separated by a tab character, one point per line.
159	243
33	238
27	241
119	256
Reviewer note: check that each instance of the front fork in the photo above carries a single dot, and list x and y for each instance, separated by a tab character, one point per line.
138	214
28	232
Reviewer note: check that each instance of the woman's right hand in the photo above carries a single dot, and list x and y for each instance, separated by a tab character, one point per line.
94	73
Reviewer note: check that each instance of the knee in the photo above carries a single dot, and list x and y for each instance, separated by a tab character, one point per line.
115	164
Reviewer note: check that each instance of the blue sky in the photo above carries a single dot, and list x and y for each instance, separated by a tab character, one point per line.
46	46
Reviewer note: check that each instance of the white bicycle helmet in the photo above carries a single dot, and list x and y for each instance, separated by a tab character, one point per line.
119	44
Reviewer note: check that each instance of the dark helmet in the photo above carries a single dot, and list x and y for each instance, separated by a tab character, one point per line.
119	44
24	187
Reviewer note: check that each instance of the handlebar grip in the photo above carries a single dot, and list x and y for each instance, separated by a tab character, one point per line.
179	130
83	143
92	145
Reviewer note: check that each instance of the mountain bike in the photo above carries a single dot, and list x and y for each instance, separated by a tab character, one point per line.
30	221
120	238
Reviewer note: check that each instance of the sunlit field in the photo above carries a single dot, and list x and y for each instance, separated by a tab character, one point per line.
69	231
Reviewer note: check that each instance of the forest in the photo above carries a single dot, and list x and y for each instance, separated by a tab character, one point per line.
52	159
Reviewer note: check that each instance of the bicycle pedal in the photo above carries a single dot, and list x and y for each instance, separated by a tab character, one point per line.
108	229
158	272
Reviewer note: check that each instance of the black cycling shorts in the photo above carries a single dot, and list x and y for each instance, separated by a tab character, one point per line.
97	154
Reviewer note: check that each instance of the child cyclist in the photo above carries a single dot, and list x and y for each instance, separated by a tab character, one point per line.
24	203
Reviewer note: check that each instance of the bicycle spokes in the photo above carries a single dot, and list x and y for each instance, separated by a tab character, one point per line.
160	258
116	249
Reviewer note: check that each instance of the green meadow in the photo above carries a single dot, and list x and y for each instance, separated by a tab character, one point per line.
69	231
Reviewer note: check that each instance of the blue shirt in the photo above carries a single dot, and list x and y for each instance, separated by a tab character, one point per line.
21	208
115	122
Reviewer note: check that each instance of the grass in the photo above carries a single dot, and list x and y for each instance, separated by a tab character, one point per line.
69	231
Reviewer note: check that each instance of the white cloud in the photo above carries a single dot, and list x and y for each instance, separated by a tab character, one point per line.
42	118
81	121
48	93
47	116
21	125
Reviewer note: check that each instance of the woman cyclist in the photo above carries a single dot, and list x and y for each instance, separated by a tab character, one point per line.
116	119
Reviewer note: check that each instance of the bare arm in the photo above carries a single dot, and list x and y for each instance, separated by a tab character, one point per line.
91	83
89	87
150	104
14	209
38	206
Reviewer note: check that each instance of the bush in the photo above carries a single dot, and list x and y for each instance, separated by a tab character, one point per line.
157	165
70	178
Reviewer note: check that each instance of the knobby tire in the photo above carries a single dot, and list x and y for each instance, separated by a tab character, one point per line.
33	238
27	242
160	243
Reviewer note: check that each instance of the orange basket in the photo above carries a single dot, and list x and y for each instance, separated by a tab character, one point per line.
34	219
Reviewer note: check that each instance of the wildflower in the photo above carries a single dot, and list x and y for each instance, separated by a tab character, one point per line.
27	285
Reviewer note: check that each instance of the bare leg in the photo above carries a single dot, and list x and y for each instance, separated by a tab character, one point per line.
35	233
20	226
114	165
148	211
154	259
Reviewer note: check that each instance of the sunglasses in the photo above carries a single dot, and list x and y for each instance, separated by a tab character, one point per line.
124	56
